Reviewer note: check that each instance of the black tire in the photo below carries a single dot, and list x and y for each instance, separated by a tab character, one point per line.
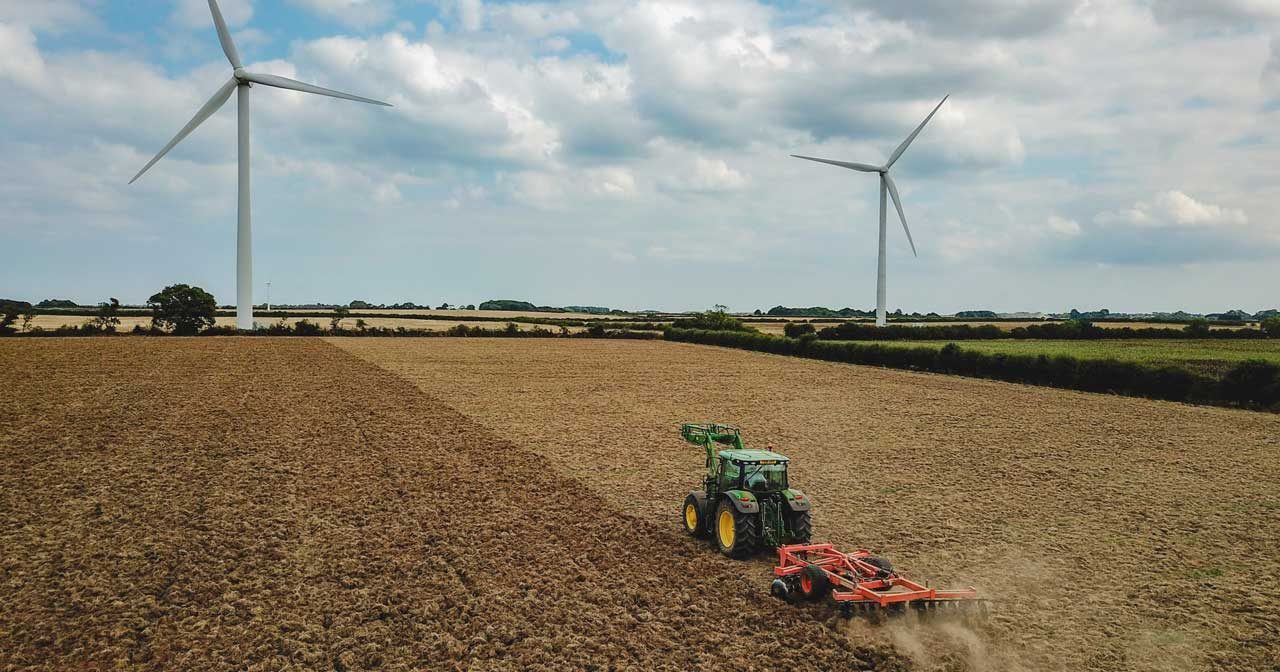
801	527
814	584
885	567
746	532
883	564
699	529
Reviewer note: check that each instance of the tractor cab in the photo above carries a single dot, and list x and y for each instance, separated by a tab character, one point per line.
754	470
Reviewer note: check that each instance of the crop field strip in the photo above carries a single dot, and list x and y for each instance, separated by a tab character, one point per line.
1115	533
1207	356
247	503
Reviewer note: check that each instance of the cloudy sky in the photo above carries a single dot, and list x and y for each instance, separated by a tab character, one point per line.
1116	153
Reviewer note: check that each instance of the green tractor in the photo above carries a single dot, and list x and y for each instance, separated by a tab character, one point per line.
745	502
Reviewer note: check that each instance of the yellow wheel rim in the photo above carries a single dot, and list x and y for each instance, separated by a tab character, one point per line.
690	517
726	529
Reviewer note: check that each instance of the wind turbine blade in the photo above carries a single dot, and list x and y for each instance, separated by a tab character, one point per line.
295	85
224	36
897	203
205	112
862	167
905	143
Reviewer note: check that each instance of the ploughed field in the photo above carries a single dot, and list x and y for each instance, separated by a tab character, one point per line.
263	503
1114	533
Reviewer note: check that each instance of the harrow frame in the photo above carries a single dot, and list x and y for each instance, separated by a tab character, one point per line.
856	583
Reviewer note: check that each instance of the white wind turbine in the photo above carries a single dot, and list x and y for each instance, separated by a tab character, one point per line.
240	82
886	185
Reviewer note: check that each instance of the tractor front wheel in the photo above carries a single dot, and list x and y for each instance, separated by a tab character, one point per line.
693	517
736	534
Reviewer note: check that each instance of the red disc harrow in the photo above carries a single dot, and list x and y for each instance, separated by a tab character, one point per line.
856	581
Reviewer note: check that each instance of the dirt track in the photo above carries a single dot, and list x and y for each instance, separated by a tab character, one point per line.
1119	534
226	503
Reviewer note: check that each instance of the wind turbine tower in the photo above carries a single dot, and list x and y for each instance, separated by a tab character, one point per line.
886	187
240	82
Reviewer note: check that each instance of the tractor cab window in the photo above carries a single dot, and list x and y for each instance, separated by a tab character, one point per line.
729	473
765	477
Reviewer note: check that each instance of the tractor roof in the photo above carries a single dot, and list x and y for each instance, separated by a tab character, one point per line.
753	455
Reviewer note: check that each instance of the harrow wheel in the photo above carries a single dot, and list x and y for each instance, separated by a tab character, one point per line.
693	518
814	584
885	567
736	534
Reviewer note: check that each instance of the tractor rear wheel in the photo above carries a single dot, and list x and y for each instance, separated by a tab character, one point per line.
801	527
693	517
736	534
814	584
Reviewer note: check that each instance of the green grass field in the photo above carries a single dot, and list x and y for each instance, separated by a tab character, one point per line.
1211	356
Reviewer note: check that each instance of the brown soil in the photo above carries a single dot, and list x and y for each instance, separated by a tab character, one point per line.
225	503
1115	533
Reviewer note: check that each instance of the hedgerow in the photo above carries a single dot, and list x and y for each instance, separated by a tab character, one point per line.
1069	330
1251	384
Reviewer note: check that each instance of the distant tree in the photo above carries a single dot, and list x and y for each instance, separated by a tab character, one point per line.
9	312
1198	327
757	312
712	320
512	328
183	308
1271	326
797	329
443	306
361	325
306	328
471	306
28	315
360	304
720	308
108	317
57	303
335	322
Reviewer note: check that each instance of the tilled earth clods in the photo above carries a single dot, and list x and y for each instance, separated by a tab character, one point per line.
271	503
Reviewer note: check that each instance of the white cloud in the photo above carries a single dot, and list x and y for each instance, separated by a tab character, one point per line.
611	181
527	20
1175	209
1063	226
46	15
704	175
387	193
469	13
1220	11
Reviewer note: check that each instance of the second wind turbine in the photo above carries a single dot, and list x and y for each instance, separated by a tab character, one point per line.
886	186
